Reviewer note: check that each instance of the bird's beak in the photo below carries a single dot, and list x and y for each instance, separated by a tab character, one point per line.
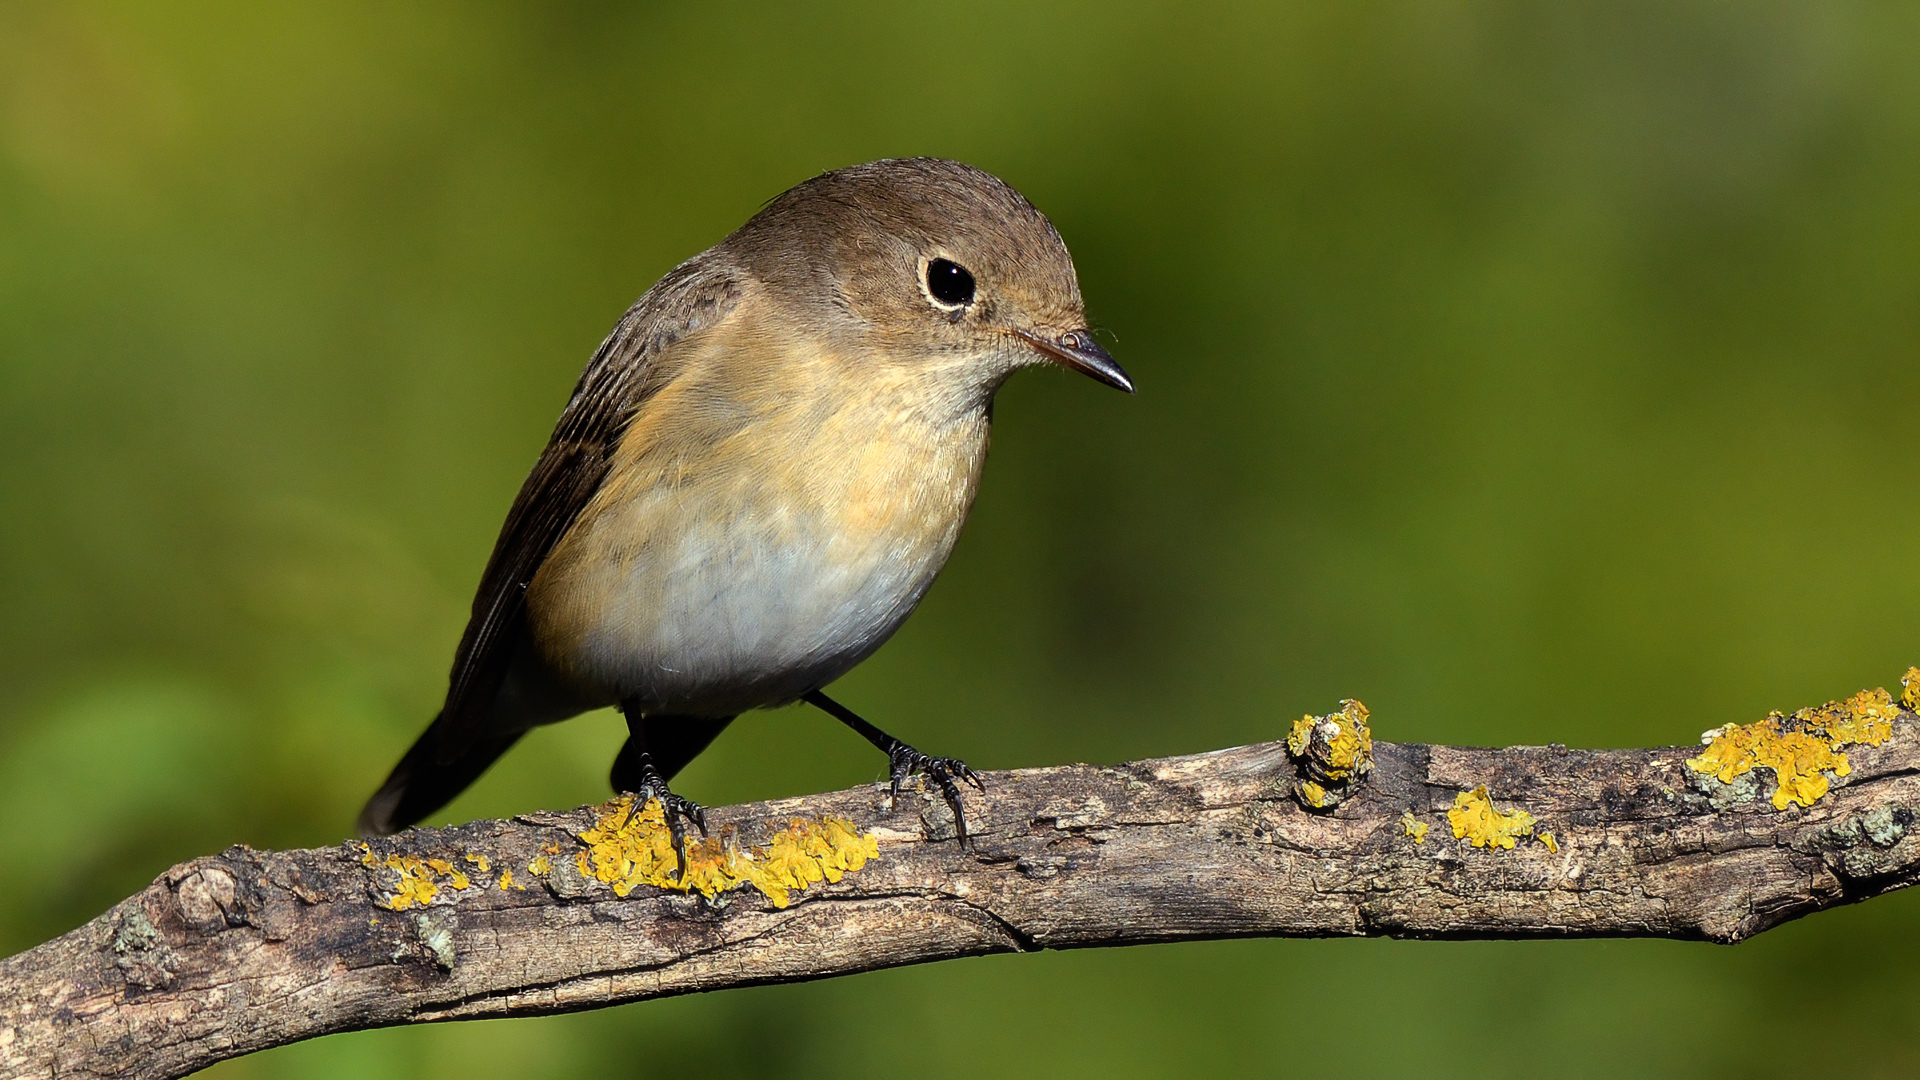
1076	349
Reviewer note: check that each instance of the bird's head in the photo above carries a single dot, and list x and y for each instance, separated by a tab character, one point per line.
919	260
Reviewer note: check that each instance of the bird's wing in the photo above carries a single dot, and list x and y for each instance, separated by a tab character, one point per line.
629	367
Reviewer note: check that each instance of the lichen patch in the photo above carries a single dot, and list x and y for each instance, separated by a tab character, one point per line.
1865	719
417	881
1339	742
1475	820
1803	749
455	878
1332	755
542	864
625	851
1413	826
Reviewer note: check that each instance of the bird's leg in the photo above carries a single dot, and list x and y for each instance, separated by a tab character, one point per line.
904	760
651	785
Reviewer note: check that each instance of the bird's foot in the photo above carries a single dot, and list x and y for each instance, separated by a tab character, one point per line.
678	811
945	772
904	760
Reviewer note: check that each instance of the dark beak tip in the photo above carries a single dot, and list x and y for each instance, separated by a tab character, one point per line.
1080	352
1096	362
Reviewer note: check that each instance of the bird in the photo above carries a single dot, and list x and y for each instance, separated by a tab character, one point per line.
756	479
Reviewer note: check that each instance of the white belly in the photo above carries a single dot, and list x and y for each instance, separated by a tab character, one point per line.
764	527
721	616
732	584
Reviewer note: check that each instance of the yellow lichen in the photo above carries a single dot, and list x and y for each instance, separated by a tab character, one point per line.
1301	734
1475	820
1910	689
1414	827
1347	740
416	887
1865	718
1801	749
457	880
1799	760
626	850
417	881
1546	838
786	865
851	848
1331	755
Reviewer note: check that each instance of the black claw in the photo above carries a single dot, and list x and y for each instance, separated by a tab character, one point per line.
971	777
677	810
904	760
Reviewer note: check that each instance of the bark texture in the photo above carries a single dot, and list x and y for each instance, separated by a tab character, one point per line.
251	949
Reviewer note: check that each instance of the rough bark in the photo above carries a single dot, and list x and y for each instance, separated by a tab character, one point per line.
248	949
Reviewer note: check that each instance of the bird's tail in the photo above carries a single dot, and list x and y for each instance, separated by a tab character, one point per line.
429	776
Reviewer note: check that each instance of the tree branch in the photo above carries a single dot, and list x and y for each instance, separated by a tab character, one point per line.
247	950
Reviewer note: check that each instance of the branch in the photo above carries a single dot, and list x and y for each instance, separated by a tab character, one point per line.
247	950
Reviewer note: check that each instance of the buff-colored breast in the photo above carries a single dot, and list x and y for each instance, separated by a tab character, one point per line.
772	515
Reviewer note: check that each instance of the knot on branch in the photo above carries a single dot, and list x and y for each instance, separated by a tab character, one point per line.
1332	755
206	894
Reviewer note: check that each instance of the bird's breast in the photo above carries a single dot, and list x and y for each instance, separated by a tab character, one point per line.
756	538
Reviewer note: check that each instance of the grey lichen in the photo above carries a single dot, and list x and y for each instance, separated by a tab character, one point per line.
139	952
435	931
1885	825
1725	795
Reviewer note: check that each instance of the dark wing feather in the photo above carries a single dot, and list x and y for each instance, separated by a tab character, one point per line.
625	371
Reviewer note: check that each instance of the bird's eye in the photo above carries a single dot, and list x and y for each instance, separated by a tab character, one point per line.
949	283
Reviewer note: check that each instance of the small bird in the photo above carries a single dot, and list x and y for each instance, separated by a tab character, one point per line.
757	478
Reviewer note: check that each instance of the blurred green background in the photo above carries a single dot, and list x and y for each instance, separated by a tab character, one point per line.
1532	372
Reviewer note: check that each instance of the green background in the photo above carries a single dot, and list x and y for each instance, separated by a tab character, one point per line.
1532	372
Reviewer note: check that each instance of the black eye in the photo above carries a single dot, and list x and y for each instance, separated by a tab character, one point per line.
949	283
